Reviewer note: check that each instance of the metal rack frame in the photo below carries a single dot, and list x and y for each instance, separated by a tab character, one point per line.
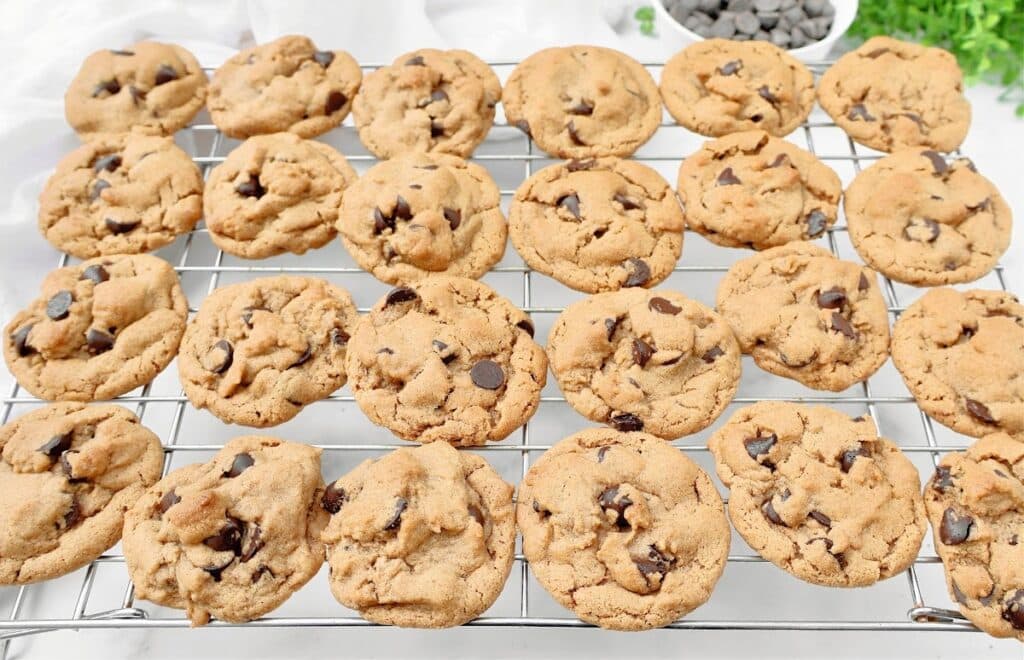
129	616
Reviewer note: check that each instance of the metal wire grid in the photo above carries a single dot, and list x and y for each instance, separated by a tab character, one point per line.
920	616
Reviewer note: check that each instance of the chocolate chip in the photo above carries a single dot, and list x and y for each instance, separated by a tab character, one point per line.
382	222
610	326
979	411
436	129
833	298
759	445
438	95
955	528
228	539
627	203
59	305
169	499
779	161
476	514
323	58
584	107
524	127
20	339
730	68
526	326
487	374
938	162
334	498
863	284
122	53
769	512
663	306
304	358
386	351
67	469
848	457
415	61
727	178
916	119
400	295
842	326
712	354
215	571
251	188
821	518
544	513
817	223
1013	609
109	86
609	499
74	514
642	352
225	358
240	464
57	445
98	341
138	95
942	479
640	274
767	95
655	563
579	165
983	205
110	163
570	203
252	543
573	135
118	227
97	189
858	111
453	216
626	422
439	345
165	74
395	520
601	454
335	101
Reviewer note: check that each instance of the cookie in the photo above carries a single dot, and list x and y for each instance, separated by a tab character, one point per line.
422	537
421	214
803	314
150	87
68	474
719	86
622	528
98	329
583	101
285	85
258	351
645	360
960	355
427	100
617	222
975	503
121	194
891	95
274	194
232	538
752	190
820	495
446	359
919	220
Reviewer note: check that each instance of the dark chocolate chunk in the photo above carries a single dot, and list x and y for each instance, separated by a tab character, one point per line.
642	352
110	163
1013	609
842	326
610	500
226	356
627	203
118	227
453	216
817	222
215	571
67	469
640	273
97	189
759	445
323	58
727	178
487	374
863	284
526	326
601	454
382	222
339	337
252	542
769	512
767	95
57	445
241	463
730	67
663	306
848	457
109	86
20	339
165	74
333	498
304	358
584	108
571	203
821	518
655	563
395	521
169	499
74	514
610	325
251	188
228	539
955	528
942	479
98	341
436	129
626	422
858	111
59	305
573	135
938	162
979	411
712	354
833	298
335	101
400	295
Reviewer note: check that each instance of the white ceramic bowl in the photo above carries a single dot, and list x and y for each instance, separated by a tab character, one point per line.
818	51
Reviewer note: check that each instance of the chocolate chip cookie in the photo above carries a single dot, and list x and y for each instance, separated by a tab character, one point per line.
645	360
285	85
719	86
446	359
923	221
618	224
420	214
960	355
803	314
276	193
622	528
232	538
975	503
258	351
423	537
752	190
427	100
820	495
98	329
149	87
68	474
121	194
583	101
891	95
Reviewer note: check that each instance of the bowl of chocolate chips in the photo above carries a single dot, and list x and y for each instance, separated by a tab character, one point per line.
806	28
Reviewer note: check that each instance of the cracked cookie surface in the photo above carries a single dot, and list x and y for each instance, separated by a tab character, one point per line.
622	528
258	351
232	538
68	474
920	220
645	360
618	224
718	86
803	314
422	537
820	495
98	329
421	214
583	101
427	100
891	95
276	193
975	503
121	194
285	85
149	87
446	359
752	190
960	355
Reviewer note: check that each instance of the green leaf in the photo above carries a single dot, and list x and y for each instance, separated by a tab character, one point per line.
644	14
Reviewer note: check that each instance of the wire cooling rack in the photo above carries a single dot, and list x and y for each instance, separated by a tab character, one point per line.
102	596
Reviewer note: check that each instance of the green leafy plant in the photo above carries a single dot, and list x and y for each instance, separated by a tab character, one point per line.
645	17
986	36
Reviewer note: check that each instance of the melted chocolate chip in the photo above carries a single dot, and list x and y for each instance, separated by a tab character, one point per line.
640	273
453	216
395	521
842	326
1013	609
579	165
252	542
334	498
767	95
858	111
228	539
110	163
382	222
584	108
610	326
165	74
727	178
97	189
955	528
601	454
769	512
942	480
169	499
817	223
821	518
979	411
938	162
98	341
436	129
323	58
524	127
215	571
117	227
74	514
847	458
627	203
573	135
983	205
863	284
240	464
655	564
760	446
415	61
712	354
226	356
730	67
59	305
20	339
109	86
609	500
526	326
66	467
487	375
251	188
571	203
779	161
400	295
833	298
339	337
304	358
642	352
626	422
57	445
335	101
663	306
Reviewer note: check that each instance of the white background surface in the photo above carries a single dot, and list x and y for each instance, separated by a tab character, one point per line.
41	47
